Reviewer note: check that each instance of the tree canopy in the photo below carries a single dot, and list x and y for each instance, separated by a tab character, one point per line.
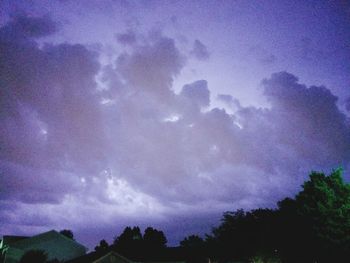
68	233
103	246
154	238
133	238
312	226
319	217
192	241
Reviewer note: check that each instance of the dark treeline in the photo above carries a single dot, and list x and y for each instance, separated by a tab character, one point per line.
314	226
133	244
152	239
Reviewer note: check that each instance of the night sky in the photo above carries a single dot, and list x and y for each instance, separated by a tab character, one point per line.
166	113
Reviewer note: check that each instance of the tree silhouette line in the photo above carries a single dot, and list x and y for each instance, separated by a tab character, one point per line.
314	226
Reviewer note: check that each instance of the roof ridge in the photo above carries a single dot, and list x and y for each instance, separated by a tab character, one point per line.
54	232
117	254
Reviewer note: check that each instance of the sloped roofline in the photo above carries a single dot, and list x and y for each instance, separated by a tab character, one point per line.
47	233
116	254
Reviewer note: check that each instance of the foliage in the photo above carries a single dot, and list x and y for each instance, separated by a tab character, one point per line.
192	241
103	246
313	226
242	234
68	233
154	238
325	202
321	213
132	238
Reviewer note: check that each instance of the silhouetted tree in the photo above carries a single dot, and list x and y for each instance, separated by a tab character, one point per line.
324	206
325	201
315	225
103	246
243	234
37	256
153	238
196	249
130	238
68	233
294	240
132	243
192	241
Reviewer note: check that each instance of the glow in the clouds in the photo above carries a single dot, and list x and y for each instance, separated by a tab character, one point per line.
150	113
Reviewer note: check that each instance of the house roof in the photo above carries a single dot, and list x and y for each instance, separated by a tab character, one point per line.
41	238
115	255
170	254
89	258
167	254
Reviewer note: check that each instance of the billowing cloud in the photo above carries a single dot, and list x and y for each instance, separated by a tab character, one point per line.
347	104
127	38
116	141
49	105
200	51
229	101
197	92
29	27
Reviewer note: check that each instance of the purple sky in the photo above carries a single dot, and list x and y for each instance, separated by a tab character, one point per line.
165	113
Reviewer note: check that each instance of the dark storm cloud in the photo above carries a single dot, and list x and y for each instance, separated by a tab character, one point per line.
48	107
118	142
200	51
311	115
151	68
347	104
18	184
197	92
24	26
127	38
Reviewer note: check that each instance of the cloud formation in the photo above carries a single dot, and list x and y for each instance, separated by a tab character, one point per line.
28	27
262	55
200	51
127	38
347	104
117	141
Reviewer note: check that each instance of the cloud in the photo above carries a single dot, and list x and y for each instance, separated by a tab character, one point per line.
262	55
78	139
347	104
151	68
29	27
200	51
197	92
229	101
311	115
127	38
48	108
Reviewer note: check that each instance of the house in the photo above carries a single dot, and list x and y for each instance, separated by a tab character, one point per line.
101	257
55	245
165	255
